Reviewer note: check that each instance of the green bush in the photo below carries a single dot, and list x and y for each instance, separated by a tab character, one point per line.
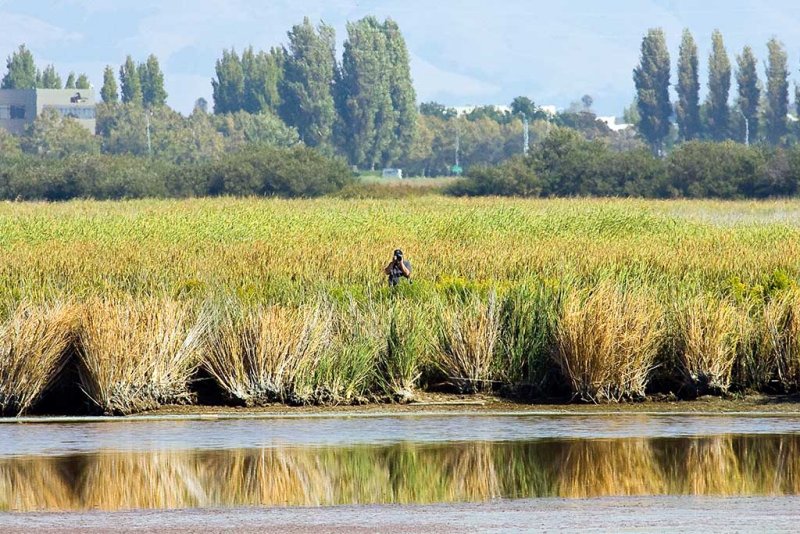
515	177
294	172
260	170
701	169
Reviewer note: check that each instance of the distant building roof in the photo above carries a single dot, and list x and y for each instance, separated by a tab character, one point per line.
611	122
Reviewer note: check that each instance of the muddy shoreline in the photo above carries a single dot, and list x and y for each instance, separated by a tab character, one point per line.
442	403
640	514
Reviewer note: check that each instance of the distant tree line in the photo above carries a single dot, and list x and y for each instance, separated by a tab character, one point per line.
22	74
364	108
565	163
759	113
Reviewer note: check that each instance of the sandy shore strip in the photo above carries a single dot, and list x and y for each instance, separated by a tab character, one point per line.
444	404
617	514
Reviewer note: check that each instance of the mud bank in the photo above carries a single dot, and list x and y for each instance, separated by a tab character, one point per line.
642	514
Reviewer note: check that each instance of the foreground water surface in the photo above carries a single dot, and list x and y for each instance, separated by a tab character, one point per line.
392	460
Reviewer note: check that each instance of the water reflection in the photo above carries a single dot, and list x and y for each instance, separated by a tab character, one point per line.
403	473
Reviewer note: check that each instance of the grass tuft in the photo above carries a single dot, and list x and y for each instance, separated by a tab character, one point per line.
138	354
607	341
34	341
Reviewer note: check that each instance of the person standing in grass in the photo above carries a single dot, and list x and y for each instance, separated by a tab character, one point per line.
398	268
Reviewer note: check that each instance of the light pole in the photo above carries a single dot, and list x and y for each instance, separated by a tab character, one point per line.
525	134
746	128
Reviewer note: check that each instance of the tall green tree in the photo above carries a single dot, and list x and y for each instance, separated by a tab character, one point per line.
365	98
719	84
152	81
263	72
70	83
228	86
777	97
687	108
48	78
82	82
130	82
522	105
21	72
404	98
109	92
651	78
307	100
749	95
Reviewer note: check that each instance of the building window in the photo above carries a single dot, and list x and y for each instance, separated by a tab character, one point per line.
77	112
5	112
17	112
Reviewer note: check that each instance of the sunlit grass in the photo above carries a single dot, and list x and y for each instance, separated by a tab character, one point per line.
500	295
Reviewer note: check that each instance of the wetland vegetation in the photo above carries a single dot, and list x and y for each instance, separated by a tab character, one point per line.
119	307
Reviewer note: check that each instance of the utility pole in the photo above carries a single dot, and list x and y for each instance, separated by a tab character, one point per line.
525	134
746	128
458	144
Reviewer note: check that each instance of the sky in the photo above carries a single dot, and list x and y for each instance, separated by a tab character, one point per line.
463	52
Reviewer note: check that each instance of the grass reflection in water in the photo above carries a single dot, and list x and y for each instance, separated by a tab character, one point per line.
403	473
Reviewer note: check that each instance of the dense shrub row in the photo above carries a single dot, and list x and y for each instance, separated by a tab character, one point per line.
254	170
566	164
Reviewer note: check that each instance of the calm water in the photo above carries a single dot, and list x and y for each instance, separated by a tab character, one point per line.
385	460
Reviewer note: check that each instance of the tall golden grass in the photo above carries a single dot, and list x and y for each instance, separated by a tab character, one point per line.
33	349
468	333
711	334
266	354
138	354
780	341
607	341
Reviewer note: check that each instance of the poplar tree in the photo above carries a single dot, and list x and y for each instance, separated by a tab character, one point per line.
228	86
70	83
366	100
719	85
749	92
152	82
404	98
651	78
307	101
82	82
777	97
687	108
21	72
109	92
263	73
130	82
48	78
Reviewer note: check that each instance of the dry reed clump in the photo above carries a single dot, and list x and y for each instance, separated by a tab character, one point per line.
710	333
138	354
268	353
778	357
467	337
34	341
607	341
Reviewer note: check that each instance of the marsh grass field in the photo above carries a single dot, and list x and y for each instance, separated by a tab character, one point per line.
121	307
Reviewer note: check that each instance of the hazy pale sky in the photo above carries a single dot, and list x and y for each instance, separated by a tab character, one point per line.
462	51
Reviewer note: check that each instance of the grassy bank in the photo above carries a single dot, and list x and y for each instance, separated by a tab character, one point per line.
127	306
